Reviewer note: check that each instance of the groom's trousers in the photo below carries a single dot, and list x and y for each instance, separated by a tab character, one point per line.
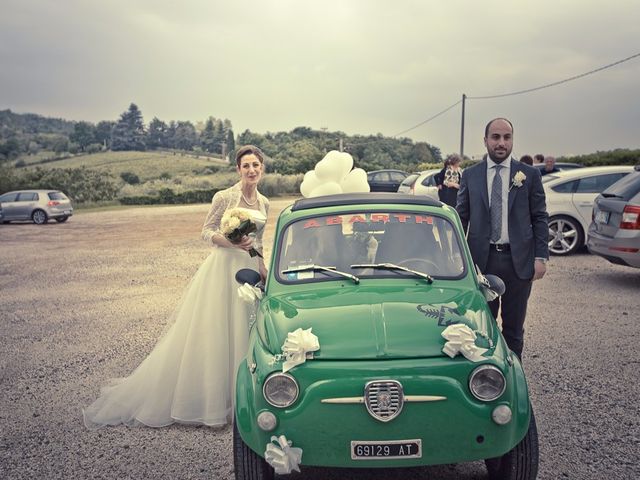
513	304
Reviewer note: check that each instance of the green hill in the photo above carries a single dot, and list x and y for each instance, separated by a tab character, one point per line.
146	165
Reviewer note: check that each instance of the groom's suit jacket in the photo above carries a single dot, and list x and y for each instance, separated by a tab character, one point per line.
527	216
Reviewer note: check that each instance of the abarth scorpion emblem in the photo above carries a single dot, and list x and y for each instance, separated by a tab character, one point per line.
384	399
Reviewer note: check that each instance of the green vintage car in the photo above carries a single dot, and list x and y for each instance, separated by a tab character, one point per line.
373	346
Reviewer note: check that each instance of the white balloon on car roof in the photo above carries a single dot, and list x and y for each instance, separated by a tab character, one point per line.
333	175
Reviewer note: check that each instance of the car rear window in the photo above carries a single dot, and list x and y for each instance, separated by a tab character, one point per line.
626	188
566	187
57	196
598	183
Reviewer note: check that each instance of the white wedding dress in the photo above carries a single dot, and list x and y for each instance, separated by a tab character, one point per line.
189	376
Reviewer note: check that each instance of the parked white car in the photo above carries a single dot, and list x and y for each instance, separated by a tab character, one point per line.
423	183
570	197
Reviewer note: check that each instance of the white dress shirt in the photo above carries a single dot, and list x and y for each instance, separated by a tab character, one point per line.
505	175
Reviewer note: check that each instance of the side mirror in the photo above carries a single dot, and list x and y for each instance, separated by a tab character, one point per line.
495	284
246	275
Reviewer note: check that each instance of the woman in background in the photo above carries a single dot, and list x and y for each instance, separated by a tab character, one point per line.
448	180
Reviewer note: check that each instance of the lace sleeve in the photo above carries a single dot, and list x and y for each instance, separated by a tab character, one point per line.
265	209
211	225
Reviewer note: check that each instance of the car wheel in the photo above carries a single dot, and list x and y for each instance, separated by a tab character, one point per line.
565	235
520	463
39	217
62	219
247	463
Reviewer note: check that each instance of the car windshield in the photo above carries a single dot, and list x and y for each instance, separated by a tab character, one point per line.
416	241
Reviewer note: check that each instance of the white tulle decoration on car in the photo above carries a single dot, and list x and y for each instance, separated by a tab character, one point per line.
282	456
249	293
461	339
332	175
298	347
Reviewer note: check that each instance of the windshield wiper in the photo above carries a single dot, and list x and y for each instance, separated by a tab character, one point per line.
321	268
393	266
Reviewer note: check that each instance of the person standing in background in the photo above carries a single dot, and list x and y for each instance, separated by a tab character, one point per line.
526	159
538	158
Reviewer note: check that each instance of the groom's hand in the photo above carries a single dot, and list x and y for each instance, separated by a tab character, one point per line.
540	268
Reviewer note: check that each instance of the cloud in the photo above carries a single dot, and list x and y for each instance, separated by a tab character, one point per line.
361	67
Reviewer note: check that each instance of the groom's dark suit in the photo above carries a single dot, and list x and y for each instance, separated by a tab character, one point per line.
528	233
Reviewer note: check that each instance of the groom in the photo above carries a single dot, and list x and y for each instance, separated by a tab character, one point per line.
502	206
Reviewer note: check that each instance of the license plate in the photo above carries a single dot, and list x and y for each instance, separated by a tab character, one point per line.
386	450
602	217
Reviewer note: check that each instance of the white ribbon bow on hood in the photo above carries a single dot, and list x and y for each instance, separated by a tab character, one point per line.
461	339
297	347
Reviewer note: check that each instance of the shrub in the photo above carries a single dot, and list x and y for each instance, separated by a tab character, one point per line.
80	184
130	178
169	197
93	148
165	176
274	184
20	163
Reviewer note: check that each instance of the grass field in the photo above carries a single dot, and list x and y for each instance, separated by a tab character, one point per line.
146	165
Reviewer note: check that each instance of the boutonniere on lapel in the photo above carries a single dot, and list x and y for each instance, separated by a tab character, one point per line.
517	180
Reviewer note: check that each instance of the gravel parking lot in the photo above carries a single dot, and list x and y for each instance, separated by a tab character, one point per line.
85	301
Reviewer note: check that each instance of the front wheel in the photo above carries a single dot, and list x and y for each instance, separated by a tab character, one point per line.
520	463
62	219
247	463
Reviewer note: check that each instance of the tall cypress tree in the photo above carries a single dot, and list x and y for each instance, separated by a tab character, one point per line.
129	134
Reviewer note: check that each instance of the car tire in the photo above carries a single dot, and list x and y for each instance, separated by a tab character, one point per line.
519	463
565	235
62	219
247	463
39	217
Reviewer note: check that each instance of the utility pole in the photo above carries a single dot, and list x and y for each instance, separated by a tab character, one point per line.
464	99
341	146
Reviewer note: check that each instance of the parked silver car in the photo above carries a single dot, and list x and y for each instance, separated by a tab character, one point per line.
38	206
422	183
614	233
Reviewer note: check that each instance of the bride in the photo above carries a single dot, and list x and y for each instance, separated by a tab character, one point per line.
190	374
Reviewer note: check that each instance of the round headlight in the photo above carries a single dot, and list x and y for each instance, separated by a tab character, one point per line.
280	390
487	383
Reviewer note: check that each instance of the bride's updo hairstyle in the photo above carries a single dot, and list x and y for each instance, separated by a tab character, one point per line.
248	150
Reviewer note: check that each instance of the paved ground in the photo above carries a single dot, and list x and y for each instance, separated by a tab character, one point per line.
85	301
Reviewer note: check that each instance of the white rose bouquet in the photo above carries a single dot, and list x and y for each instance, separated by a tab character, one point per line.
235	224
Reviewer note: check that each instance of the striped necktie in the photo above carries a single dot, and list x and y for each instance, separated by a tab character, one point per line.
496	205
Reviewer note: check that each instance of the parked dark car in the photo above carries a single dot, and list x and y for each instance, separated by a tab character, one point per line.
38	206
386	180
614	233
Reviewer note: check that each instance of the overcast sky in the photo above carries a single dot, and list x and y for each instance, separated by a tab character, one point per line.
358	66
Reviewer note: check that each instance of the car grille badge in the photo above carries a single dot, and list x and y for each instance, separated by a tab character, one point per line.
384	399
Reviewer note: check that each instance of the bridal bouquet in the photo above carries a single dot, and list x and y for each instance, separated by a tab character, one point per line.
237	223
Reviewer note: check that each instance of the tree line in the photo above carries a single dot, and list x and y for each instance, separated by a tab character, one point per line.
24	134
291	152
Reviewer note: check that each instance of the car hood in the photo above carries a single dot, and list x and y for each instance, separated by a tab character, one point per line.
381	323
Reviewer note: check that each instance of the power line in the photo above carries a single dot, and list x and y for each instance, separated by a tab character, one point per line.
575	77
428	119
